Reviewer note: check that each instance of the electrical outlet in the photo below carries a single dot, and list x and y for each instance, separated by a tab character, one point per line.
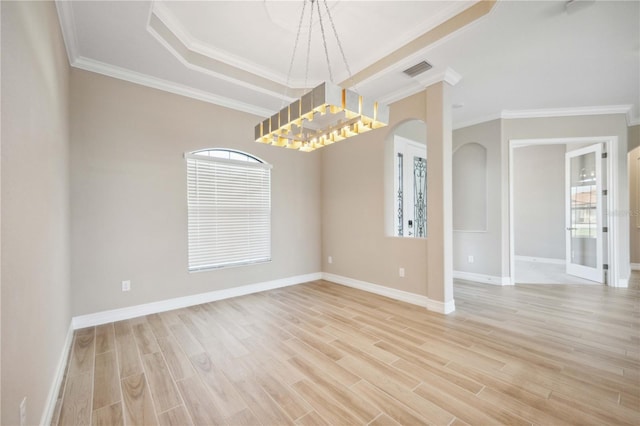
126	285
470	259
401	272
330	259
23	412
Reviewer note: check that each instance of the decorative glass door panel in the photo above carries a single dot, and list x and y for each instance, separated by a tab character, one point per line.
420	196
584	213
410	186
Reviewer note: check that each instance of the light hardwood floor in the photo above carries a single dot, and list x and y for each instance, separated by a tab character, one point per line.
321	353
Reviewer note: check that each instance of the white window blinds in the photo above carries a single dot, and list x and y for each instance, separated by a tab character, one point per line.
229	211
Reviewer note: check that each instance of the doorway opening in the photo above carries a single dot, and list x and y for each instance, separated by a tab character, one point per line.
560	191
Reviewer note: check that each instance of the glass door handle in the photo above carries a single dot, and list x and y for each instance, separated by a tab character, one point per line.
571	229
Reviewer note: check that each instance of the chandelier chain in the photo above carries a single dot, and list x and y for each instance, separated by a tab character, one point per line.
293	55
324	40
306	71
335	33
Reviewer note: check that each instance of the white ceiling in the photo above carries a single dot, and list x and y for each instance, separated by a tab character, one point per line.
521	58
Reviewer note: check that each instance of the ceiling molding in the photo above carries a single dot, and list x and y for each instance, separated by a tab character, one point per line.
566	112
167	86
202	63
401	94
169	20
195	45
475	121
68	27
448	75
553	112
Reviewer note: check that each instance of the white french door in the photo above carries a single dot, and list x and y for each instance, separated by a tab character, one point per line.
584	208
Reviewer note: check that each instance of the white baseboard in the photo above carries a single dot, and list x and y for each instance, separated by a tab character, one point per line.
623	283
635	266
542	260
481	278
392	293
105	317
52	398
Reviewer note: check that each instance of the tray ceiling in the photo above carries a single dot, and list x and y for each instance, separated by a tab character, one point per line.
525	55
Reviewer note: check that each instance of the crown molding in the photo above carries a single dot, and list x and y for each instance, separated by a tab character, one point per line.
567	112
200	62
480	120
168	86
448	75
195	45
68	27
554	112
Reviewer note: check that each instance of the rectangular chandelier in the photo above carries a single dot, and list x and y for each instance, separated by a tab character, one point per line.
325	115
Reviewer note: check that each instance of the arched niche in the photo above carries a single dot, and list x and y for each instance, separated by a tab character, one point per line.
470	188
405	163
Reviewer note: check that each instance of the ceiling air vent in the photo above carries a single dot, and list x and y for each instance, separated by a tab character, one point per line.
418	68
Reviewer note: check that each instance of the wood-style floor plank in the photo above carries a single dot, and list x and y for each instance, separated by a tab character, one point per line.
105	338
243	418
145	338
106	386
198	402
324	354
128	356
225	396
177	416
82	351
76	406
345	396
325	405
110	415
138	406
177	361
163	389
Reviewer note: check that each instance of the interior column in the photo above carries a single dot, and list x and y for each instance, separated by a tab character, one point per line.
439	204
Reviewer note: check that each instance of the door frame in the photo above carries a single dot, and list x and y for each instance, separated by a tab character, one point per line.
612	220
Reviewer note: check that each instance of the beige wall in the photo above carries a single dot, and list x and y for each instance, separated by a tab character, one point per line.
357	177
495	136
35	205
539	201
634	137
486	262
574	127
128	195
353	216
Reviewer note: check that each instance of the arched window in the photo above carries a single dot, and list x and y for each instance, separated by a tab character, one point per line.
229	209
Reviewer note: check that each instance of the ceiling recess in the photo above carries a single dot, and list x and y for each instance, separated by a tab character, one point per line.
418	68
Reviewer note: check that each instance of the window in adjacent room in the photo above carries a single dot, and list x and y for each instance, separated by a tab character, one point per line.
229	209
